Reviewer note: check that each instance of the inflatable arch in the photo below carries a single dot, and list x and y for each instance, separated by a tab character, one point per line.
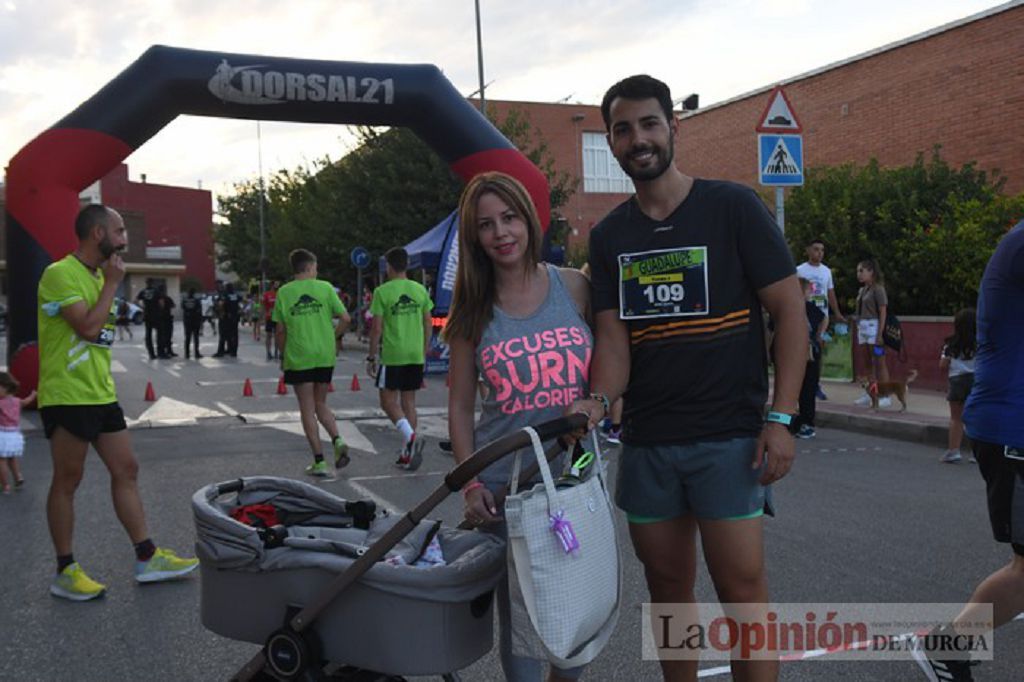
46	176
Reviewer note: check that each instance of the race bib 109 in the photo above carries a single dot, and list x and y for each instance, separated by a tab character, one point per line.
663	283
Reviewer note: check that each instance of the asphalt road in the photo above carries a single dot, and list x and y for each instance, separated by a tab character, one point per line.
860	519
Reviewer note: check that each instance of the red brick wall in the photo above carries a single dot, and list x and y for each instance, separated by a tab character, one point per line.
174	216
963	89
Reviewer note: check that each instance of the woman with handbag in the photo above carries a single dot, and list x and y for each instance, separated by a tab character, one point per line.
520	325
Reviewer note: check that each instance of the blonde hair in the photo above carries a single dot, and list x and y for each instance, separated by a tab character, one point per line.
474	295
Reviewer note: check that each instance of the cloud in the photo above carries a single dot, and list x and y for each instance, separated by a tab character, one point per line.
55	54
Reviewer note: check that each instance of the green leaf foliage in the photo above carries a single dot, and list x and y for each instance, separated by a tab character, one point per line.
931	227
387	191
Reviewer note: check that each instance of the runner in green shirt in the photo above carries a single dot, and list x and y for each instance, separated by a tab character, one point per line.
78	402
401	329
306	333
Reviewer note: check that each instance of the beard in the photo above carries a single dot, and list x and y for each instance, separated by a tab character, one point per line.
663	157
107	247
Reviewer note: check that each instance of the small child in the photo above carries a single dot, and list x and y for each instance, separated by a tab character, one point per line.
12	443
958	357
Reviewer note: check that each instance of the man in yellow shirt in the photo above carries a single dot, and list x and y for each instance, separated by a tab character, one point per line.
401	330
78	401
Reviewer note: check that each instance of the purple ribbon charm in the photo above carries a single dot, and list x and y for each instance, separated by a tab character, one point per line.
563	530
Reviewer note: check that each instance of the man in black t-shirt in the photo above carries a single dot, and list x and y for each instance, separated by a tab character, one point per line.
230	305
679	275
192	315
149	298
165	326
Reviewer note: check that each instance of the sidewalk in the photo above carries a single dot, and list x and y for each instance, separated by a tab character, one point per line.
925	421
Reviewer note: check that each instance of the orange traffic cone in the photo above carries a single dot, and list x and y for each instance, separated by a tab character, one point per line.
150	393
282	389
355	382
330	387
247	389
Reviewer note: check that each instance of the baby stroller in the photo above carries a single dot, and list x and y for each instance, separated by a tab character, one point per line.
330	588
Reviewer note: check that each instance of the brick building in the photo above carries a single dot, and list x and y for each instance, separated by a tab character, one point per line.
960	86
169	232
179	220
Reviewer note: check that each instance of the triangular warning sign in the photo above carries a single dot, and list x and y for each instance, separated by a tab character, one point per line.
780	161
778	116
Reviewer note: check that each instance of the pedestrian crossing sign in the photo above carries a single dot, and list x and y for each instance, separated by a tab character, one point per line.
780	160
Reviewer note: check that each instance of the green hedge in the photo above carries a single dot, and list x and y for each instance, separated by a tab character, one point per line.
931	227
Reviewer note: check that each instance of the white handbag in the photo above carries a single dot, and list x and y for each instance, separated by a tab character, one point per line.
564	557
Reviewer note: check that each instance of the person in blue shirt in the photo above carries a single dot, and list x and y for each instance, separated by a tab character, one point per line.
992	419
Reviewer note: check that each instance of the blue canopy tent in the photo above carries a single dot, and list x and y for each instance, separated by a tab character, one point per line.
425	251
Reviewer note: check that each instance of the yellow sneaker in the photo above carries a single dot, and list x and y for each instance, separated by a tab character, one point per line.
163	565
72	583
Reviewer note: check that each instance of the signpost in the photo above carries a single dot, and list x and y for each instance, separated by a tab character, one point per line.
780	150
360	260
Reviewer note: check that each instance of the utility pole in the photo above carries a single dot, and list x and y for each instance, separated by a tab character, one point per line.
480	59
263	227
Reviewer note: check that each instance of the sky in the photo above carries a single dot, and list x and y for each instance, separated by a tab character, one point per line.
54	55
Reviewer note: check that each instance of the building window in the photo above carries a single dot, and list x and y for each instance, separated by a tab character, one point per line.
601	172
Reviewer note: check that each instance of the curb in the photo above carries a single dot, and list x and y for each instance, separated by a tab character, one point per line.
899	429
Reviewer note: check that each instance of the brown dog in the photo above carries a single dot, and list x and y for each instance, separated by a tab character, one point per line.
880	389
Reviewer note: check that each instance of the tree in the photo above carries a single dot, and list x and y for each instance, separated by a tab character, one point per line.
931	227
386	191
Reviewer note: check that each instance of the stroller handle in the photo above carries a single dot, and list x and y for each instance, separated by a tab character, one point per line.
495	450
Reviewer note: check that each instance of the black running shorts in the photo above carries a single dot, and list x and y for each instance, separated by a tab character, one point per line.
1004	482
400	377
83	421
317	375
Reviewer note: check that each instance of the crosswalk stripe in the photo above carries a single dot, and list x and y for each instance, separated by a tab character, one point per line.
350	434
436	427
347	430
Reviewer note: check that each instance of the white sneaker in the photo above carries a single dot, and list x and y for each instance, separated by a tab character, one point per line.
885	402
951	457
863	401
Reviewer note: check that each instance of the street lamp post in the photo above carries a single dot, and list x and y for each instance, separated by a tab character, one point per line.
480	59
263	228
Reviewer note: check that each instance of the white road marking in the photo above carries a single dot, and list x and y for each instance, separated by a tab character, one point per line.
386	477
173	372
348	431
228	410
170	411
436	427
117	368
382	503
236	382
358	413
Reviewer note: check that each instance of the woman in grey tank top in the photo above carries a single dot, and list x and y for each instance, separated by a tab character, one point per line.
520	326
